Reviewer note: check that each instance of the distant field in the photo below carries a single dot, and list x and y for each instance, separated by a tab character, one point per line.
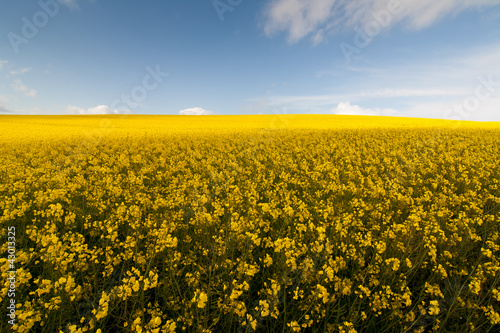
58	127
313	223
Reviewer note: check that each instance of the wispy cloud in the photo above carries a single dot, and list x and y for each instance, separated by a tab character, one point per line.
17	85
195	112
298	17
330	99
301	18
428	88
21	71
3	62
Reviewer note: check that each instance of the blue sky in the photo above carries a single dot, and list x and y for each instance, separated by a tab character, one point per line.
426	58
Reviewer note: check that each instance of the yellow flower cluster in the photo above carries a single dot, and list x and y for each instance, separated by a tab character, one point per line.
320	225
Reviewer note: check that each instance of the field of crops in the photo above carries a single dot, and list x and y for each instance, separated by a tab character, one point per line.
249	224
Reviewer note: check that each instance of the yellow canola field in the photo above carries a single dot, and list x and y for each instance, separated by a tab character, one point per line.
26	128
294	223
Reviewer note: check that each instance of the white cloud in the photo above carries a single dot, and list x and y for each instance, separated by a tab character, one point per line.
21	71
195	112
17	85
345	108
100	109
300	18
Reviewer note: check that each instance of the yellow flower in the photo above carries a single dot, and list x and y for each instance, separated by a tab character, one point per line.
433	290
294	326
380	246
365	290
434	308
475	286
250	320
322	293
491	314
264	305
268	261
393	263
347	327
202	300
170	326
